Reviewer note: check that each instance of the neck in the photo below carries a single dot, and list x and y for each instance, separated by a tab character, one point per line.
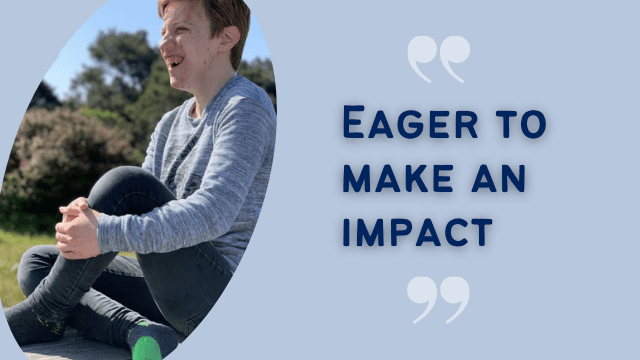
211	87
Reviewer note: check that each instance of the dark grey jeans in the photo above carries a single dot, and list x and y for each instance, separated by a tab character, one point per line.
108	294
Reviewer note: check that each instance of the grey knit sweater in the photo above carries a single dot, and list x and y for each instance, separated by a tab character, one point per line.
218	168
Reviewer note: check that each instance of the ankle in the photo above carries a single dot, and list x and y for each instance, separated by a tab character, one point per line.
55	327
29	327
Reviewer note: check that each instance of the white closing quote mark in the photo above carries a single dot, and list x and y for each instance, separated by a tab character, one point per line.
453	289
423	49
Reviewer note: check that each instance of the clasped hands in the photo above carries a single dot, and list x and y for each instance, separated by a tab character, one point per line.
77	234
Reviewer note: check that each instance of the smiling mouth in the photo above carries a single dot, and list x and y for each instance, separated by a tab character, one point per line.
174	61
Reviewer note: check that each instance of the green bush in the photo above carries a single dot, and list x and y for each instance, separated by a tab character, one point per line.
57	156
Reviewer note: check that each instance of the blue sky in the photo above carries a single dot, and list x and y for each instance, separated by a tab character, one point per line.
124	15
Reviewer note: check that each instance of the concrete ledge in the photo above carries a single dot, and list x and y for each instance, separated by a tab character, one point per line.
74	346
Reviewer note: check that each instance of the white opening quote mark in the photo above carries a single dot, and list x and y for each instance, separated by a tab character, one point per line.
453	290
423	49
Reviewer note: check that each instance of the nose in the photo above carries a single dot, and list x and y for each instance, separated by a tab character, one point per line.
166	43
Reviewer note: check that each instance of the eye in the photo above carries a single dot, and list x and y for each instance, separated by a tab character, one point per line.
181	30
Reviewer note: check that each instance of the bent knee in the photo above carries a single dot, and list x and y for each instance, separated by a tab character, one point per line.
128	190
119	180
125	174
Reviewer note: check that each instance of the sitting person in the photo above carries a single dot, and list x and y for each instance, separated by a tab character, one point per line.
188	212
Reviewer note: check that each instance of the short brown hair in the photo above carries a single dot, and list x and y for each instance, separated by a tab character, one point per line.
221	14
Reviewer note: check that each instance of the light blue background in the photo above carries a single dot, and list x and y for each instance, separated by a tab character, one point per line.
558	277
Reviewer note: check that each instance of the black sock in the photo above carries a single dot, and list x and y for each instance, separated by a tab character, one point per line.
30	328
146	334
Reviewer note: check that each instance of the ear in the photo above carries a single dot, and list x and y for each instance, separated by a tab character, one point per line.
229	37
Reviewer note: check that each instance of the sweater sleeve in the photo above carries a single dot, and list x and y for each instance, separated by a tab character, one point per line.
245	131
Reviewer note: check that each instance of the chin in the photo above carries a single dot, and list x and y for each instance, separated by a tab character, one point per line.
176	84
182	84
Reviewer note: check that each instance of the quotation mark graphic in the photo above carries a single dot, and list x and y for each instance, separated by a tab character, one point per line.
453	290
423	49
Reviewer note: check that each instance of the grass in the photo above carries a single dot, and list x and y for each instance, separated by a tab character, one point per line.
12	246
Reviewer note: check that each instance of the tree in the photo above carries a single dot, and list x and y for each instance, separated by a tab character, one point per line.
123	66
157	99
44	97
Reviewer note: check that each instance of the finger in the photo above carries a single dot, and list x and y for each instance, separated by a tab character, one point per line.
78	205
68	218
67	226
63	247
81	203
84	204
70	255
63	238
66	251
70	210
62	227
